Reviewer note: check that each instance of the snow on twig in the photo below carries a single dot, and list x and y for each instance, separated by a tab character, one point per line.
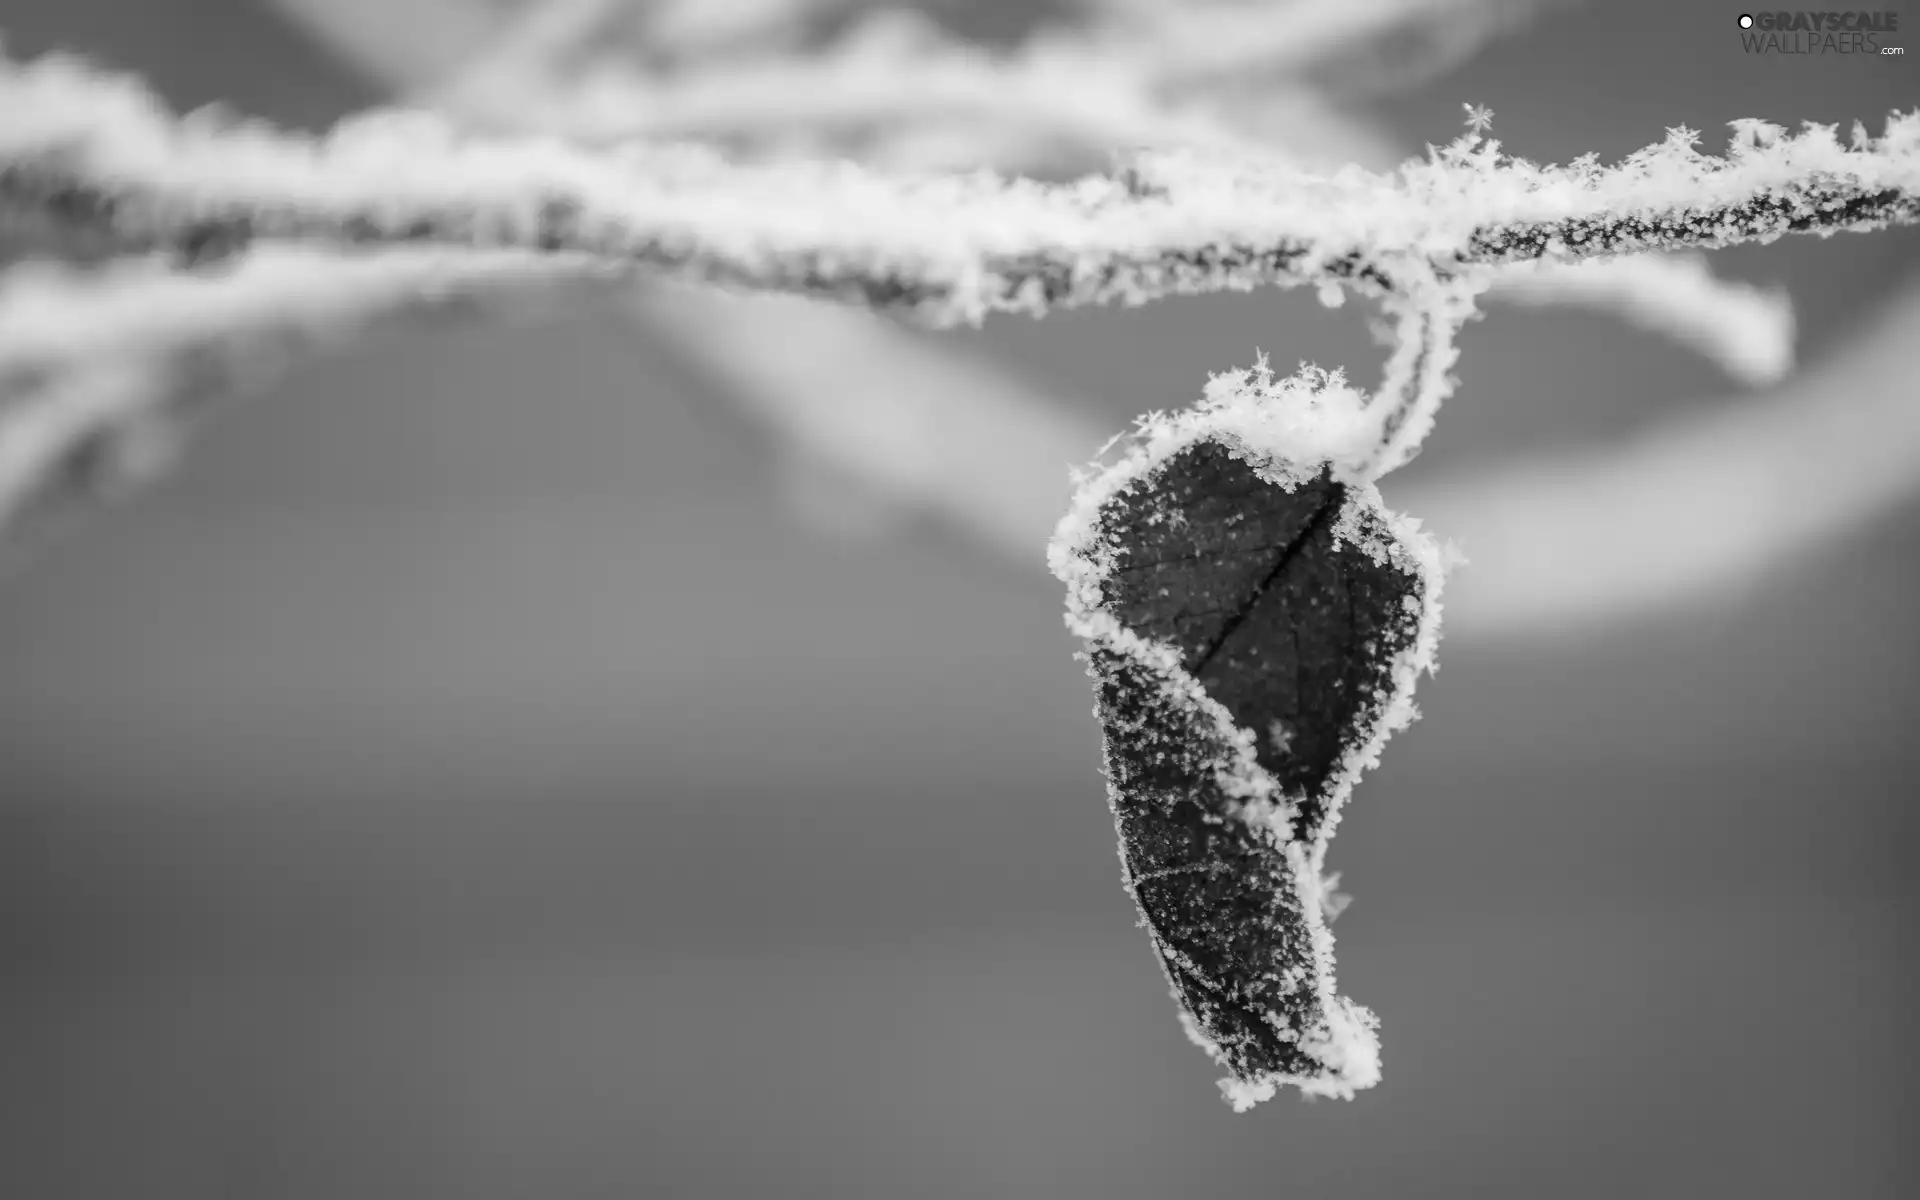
100	160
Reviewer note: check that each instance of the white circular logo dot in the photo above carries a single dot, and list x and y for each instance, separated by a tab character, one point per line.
1746	22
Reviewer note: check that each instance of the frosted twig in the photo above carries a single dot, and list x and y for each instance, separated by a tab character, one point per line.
1419	373
100	160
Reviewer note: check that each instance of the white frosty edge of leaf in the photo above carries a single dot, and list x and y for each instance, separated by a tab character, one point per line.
1410	547
1263	804
1288	432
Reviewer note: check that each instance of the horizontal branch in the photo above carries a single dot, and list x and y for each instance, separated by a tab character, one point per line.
94	161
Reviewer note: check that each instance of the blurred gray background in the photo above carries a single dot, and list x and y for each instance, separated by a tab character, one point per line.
464	779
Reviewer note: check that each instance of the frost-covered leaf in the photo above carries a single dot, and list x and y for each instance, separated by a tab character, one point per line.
1255	621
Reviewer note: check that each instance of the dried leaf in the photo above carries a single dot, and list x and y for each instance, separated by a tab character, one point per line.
1255	630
